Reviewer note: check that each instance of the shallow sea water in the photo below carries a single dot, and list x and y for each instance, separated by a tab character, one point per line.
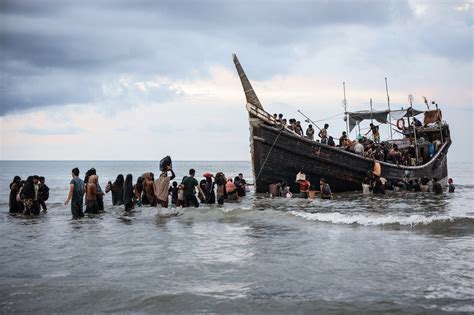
398	253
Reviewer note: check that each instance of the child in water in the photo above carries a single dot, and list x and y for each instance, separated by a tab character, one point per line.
174	193
451	186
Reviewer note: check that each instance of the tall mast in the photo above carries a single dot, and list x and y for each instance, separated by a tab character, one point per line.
371	119
344	104
410	99
389	112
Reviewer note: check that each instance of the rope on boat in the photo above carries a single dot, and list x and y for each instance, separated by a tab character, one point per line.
268	154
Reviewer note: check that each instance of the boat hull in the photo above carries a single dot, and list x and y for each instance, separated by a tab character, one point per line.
280	155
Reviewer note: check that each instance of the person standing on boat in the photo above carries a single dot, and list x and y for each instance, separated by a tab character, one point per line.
310	132
375	132
299	129
323	134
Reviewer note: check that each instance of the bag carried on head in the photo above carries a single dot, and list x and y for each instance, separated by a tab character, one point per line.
166	161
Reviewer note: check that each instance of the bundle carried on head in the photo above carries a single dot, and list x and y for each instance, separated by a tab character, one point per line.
165	162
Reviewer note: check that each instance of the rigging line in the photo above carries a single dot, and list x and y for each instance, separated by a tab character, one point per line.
266	158
329	117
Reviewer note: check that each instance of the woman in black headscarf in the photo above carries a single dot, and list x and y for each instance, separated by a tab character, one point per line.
14	189
117	191
128	193
29	197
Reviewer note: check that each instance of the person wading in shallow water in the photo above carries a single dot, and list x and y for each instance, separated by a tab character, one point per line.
91	195
190	184
128	193
437	189
76	194
162	185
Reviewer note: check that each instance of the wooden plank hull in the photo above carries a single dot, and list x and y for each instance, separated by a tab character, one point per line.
280	154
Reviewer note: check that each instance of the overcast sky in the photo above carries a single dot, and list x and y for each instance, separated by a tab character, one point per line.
137	80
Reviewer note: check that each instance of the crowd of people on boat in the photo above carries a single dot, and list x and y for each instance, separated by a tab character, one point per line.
86	195
364	146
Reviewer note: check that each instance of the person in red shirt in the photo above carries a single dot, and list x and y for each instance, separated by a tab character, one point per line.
304	187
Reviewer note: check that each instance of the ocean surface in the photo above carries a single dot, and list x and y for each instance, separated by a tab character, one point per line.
398	253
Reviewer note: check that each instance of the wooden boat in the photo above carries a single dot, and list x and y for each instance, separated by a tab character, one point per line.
279	154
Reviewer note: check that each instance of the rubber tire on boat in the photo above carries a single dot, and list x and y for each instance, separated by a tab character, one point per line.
402	124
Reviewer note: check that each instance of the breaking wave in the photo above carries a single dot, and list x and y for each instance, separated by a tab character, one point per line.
340	218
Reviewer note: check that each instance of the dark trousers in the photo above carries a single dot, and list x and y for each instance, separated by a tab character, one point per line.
43	205
76	209
191	199
92	207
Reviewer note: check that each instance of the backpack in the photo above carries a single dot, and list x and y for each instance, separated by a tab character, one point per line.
326	189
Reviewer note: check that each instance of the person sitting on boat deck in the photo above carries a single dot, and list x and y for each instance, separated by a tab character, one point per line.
231	190
128	193
416	185
344	140
416	122
378	153
280	117
451	186
394	155
76	195
437	189
43	193
424	186
409	185
162	185
325	189
310	132
284	123
331	142
375	132
359	147
91	195
323	134
275	116
13	204
190	183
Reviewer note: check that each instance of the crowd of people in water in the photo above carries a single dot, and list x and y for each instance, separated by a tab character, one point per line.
29	196
370	148
375	183
26	197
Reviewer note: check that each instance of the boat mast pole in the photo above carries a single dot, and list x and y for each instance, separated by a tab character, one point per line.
410	98
344	103
389	112
371	119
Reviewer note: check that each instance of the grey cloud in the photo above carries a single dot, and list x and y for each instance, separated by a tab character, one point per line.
61	52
